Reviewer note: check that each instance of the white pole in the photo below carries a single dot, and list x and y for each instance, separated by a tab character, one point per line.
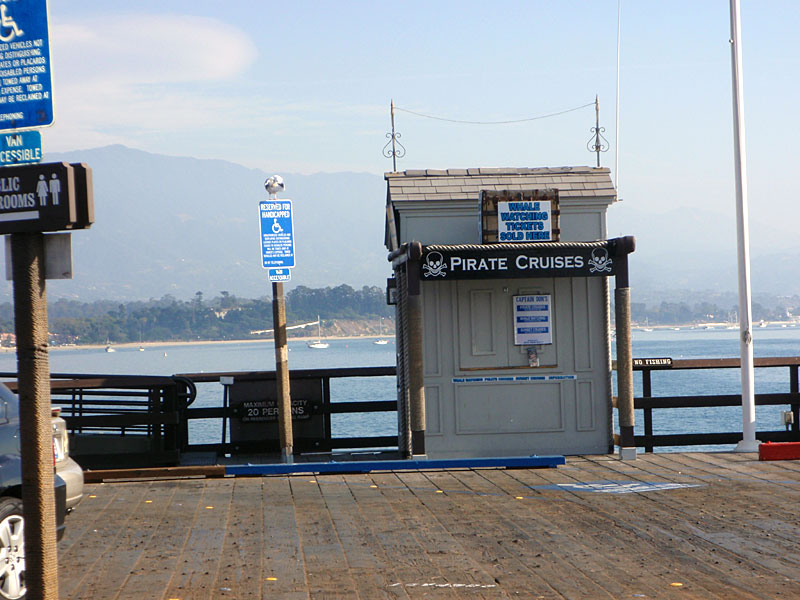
749	442
616	121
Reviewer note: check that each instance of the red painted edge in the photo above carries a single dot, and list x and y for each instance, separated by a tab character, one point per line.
779	451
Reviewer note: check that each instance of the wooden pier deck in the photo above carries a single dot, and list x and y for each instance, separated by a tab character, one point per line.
712	526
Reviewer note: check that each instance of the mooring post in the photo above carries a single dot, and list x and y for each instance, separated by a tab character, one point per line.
282	372
36	430
622	315
416	377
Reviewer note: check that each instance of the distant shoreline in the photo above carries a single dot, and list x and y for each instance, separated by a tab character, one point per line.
128	345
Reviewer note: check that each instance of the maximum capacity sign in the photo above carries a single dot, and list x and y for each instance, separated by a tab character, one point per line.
277	234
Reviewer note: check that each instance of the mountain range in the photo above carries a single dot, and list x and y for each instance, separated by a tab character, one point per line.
179	225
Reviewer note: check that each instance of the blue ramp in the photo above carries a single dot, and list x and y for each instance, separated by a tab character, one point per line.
512	462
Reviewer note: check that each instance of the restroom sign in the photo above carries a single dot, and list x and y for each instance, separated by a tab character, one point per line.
533	320
39	197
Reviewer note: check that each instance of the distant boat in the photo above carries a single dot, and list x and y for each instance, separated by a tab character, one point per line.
141	348
319	344
380	341
110	349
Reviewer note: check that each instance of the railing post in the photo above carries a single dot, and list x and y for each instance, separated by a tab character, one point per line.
794	389
648	412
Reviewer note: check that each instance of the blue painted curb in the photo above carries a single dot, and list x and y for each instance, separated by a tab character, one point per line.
519	462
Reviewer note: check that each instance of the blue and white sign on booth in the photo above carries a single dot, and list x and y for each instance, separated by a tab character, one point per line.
277	234
532	320
26	99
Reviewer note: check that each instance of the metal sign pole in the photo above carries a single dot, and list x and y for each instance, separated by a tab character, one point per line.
282	372
33	371
749	443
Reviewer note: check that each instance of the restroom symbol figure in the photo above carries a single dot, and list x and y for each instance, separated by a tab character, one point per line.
55	188
42	190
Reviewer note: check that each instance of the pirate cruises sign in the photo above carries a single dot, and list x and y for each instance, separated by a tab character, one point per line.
498	261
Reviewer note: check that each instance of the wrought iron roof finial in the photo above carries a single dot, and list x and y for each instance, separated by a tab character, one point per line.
597	143
397	149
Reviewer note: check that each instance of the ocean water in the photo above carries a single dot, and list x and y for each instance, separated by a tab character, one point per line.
719	342
249	356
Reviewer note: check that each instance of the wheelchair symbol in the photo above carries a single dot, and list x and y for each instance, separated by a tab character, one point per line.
7	22
276	228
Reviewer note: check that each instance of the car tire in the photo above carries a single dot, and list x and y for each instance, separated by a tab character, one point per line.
12	549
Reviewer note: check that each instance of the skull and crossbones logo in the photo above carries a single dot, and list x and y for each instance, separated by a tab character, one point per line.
600	262
434	265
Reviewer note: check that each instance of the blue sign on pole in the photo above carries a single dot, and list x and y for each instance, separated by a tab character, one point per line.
280	274
26	99
277	234
21	147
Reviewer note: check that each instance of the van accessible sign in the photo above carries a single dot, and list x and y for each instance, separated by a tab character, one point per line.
442	263
26	99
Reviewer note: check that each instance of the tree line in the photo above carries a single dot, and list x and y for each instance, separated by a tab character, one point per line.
682	313
224	317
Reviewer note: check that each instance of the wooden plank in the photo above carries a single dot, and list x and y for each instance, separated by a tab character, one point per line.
327	571
573	540
702	554
197	564
171	526
392	508
282	561
240	570
455	566
90	532
101	475
131	524
371	569
513	556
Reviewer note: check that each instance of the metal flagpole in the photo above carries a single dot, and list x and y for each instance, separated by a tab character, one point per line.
748	442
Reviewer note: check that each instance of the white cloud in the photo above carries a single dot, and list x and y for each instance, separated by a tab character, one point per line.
122	78
142	49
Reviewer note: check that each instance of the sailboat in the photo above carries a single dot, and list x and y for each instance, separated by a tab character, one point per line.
381	341
319	344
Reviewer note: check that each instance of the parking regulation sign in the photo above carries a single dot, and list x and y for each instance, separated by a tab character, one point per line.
277	234
26	99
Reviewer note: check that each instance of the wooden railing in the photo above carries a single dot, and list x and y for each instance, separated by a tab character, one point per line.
140	421
323	407
648	403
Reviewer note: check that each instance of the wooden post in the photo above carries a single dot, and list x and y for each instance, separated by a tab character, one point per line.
36	433
622	314
416	362
282	372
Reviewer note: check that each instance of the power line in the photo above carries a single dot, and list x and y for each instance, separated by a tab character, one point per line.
555	114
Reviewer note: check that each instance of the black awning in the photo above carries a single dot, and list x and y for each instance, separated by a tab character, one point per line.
512	261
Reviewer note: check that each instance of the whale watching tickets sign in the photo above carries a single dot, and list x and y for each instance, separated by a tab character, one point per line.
26	99
519	217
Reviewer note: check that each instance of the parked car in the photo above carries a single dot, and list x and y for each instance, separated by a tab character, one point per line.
66	467
12	542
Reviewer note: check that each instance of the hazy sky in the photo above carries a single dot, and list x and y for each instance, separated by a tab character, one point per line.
306	86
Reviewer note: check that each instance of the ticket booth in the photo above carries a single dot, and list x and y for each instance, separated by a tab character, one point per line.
501	284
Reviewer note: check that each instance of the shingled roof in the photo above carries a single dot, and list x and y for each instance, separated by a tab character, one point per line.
466	184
